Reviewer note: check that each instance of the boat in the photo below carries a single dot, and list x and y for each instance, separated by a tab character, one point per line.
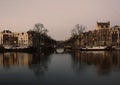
101	48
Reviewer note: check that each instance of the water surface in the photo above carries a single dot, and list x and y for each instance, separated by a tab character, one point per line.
78	68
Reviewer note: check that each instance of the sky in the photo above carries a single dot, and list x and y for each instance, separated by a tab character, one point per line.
58	16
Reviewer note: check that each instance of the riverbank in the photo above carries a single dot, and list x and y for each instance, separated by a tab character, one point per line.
28	49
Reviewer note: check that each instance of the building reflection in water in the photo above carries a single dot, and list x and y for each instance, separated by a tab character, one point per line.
37	62
103	61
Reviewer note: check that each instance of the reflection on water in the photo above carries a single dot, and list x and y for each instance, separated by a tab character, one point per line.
14	59
37	62
103	61
78	68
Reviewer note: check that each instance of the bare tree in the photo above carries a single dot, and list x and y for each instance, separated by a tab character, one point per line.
77	32
40	30
78	29
39	39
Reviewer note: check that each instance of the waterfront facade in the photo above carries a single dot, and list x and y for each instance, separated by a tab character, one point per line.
13	39
115	35
22	39
103	29
103	35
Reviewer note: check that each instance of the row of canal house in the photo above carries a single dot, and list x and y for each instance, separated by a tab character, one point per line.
103	35
13	39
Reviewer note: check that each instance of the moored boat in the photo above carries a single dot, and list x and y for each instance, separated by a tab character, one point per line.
101	48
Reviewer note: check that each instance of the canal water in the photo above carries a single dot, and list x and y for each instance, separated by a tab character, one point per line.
76	68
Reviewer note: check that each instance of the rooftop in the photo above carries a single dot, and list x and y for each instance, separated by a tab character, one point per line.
103	24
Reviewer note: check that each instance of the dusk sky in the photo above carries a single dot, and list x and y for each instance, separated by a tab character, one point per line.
58	16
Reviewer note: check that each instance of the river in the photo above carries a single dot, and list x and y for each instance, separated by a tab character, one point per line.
76	68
